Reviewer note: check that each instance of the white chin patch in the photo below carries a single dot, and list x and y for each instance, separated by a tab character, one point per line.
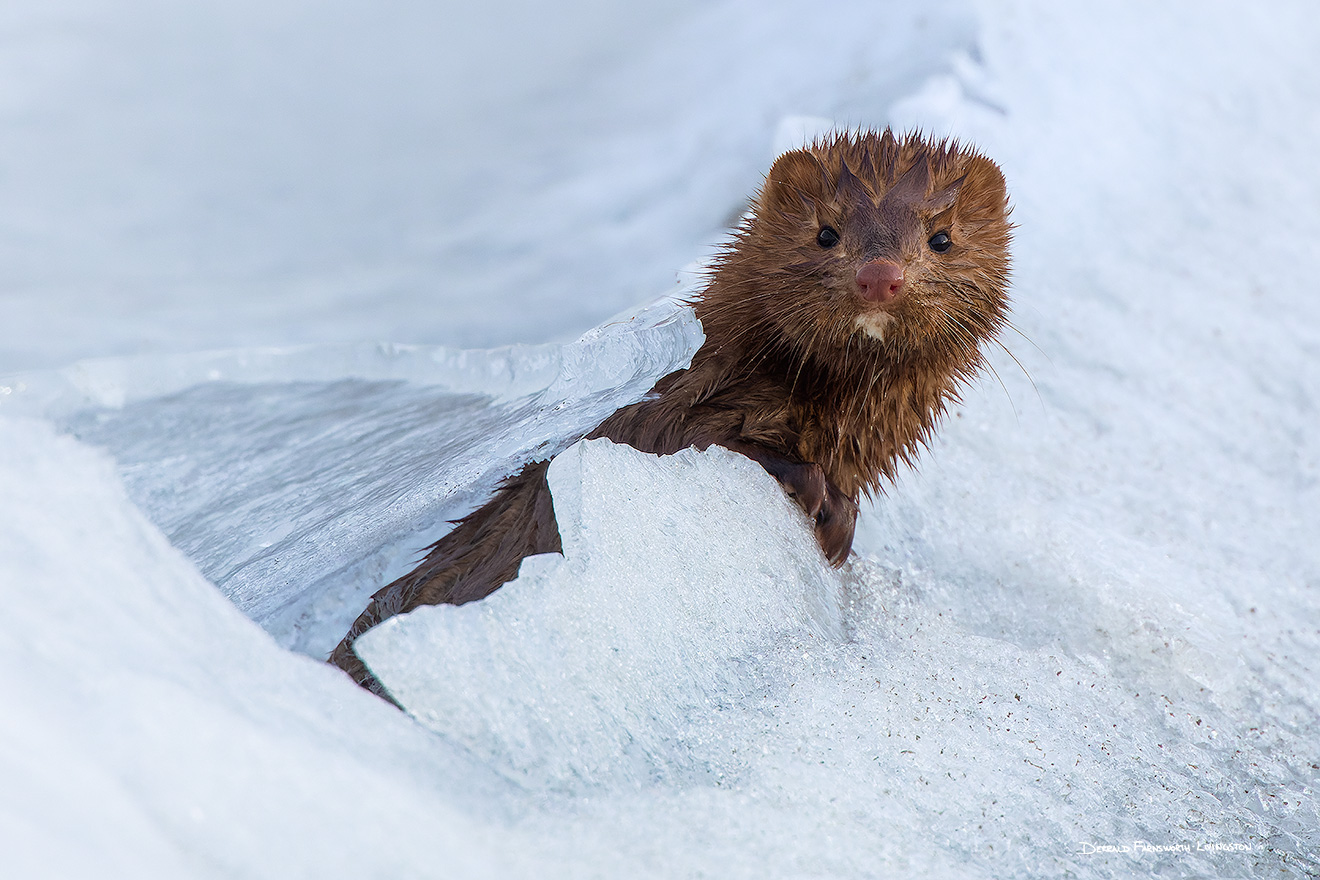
874	324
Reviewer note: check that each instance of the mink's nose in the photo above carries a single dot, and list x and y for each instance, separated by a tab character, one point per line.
880	281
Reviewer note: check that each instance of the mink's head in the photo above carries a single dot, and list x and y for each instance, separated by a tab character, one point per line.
867	246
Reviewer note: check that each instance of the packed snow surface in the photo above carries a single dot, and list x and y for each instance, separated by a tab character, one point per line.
1082	640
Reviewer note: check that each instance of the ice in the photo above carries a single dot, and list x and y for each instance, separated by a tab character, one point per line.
301	498
614	663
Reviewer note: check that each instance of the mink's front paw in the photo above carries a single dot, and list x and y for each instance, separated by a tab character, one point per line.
835	513
805	483
836	520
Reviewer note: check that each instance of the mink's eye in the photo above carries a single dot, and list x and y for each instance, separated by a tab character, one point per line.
827	237
940	242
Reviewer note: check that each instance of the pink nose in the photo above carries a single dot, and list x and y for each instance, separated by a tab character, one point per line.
880	281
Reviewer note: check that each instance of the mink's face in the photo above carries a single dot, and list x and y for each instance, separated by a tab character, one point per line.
868	241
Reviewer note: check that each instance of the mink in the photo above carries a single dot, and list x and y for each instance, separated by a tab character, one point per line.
841	319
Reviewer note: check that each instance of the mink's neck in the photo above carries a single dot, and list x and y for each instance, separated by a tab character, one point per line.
858	418
857	412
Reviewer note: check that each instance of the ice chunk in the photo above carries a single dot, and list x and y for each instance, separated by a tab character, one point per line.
299	496
680	577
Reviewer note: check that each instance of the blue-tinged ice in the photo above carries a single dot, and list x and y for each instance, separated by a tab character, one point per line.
299	495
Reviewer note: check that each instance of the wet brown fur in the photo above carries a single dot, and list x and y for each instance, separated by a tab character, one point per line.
786	375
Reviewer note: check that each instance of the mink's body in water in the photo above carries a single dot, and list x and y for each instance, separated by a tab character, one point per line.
839	322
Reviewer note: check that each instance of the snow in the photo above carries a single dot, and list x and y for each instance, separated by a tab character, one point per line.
155	731
1090	618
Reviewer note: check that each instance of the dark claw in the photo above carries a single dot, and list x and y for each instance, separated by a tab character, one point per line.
835	513
836	521
805	482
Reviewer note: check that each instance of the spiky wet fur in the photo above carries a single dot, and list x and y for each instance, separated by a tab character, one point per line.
787	366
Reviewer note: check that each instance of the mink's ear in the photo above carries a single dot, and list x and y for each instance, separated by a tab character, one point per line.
795	178
983	194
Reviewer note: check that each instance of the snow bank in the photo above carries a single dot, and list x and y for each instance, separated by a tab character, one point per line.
151	730
240	174
690	646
